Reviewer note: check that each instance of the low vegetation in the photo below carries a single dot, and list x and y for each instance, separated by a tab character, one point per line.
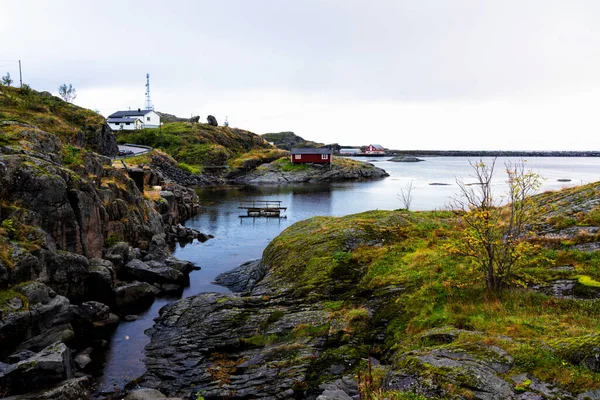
402	259
196	145
45	111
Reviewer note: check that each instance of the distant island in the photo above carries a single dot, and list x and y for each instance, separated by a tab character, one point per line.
493	153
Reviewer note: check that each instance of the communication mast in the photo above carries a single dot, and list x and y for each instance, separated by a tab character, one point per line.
149	105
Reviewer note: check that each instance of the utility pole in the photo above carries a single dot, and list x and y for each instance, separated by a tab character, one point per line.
20	74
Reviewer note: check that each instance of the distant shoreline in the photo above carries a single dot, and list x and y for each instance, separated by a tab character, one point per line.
482	153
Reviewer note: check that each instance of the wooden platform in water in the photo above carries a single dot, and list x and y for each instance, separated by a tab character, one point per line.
262	208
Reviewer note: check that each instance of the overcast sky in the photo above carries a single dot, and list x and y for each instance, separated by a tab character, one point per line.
420	74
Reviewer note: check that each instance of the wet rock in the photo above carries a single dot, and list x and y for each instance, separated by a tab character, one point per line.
72	389
145	394
20	356
134	295
185	267
92	315
83	358
152	272
51	365
48	317
131	318
243	278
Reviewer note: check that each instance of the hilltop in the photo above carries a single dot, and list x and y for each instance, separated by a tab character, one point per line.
71	124
287	140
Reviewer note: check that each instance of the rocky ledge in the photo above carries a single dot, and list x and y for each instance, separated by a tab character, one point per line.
282	172
319	317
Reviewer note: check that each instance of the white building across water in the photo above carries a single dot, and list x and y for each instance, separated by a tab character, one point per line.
133	119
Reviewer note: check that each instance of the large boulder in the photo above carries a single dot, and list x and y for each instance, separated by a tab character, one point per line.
37	315
72	389
53	364
91	317
152	272
133	296
212	120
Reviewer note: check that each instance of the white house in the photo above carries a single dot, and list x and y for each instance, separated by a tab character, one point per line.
133	119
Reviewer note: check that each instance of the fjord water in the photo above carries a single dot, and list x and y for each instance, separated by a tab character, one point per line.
237	240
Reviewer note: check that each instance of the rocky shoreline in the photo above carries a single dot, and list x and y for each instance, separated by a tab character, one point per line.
274	174
83	247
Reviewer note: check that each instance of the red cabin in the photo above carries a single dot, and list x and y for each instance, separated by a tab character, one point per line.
317	156
374	149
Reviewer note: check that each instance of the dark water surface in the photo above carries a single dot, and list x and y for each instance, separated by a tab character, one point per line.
238	240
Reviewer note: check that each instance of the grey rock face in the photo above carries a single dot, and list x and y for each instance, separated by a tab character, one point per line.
98	139
190	332
243	278
51	365
48	317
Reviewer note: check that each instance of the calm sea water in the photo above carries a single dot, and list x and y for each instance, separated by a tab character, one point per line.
241	239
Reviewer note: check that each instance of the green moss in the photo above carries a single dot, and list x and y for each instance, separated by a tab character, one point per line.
112	239
6	301
587	281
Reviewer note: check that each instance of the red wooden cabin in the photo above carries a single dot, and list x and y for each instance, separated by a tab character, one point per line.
318	156
374	149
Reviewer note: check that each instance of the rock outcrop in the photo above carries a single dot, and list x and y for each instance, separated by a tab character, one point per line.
272	173
77	235
211	120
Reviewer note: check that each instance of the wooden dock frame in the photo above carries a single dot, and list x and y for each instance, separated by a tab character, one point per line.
262	208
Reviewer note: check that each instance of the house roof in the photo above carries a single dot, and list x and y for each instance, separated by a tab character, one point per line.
322	150
378	146
129	113
126	119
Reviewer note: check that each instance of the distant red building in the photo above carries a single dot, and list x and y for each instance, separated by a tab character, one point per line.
374	149
317	156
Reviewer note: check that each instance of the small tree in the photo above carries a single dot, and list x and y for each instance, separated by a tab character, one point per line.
68	93
6	79
493	236
405	196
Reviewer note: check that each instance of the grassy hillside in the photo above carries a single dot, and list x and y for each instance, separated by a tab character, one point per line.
200	145
49	113
287	140
439	305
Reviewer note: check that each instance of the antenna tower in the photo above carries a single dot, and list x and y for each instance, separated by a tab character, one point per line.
149	105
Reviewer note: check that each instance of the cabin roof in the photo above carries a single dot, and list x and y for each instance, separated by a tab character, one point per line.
129	113
378	146
124	119
322	150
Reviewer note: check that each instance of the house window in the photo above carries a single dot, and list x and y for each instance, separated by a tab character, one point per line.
324	156
147	118
127	123
297	156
